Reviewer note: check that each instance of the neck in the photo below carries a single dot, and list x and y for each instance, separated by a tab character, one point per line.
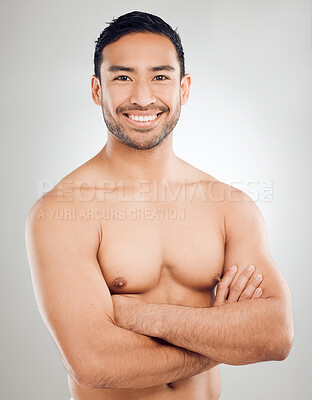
159	163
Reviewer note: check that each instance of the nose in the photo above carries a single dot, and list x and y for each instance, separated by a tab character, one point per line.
142	94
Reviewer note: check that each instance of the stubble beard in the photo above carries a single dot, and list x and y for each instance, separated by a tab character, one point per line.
147	142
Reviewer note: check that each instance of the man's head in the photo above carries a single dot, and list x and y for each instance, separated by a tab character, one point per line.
135	22
138	81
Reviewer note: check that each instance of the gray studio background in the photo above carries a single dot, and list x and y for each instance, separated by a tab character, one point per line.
248	122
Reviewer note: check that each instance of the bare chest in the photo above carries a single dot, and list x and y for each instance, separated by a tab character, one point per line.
148	247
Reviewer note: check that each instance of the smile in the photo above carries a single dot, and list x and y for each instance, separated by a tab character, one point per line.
141	118
142	121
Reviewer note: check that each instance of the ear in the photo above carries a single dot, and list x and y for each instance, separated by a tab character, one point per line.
185	88
96	90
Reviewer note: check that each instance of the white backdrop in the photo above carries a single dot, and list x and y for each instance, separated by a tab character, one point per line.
248	122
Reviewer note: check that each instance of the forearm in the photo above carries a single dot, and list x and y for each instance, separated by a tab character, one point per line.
130	360
236	333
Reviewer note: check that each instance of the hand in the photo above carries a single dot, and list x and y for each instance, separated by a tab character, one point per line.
240	291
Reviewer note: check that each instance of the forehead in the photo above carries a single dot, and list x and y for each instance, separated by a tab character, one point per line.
140	49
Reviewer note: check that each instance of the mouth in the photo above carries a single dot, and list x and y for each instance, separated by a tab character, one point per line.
142	120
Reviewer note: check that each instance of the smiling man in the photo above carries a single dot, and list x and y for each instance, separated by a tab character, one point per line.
140	96
127	252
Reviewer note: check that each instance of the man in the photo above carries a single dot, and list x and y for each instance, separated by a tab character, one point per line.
127	250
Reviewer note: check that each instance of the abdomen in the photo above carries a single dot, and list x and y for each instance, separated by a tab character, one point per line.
204	386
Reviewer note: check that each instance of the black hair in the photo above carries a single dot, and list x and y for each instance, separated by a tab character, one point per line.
136	21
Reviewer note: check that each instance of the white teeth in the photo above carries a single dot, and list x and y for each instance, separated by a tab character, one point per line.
141	118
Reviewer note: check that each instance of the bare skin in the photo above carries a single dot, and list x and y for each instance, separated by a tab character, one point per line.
137	221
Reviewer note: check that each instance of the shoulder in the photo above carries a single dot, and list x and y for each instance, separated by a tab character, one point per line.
66	208
49	213
76	189
197	179
87	176
237	201
237	210
230	199
242	216
193	174
63	225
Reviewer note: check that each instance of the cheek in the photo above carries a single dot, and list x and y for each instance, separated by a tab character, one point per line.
169	95
175	100
113	97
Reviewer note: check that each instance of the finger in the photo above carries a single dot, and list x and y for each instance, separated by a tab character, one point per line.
223	286
258	293
251	287
237	289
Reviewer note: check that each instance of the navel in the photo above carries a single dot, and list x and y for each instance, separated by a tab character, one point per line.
119	282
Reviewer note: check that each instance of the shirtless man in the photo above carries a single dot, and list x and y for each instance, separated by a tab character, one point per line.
127	250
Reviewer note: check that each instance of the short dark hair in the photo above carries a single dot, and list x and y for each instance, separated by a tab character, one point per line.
136	21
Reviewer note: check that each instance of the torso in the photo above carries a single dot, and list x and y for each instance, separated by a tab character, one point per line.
162	250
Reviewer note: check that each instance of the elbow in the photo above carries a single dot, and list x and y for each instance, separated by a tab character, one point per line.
287	332
98	374
90	374
81	375
281	352
103	375
94	367
286	344
90	379
283	342
83	381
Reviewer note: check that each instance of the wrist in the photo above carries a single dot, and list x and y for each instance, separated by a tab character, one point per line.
210	363
205	363
146	319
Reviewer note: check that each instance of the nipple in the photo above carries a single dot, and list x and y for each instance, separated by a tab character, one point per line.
119	282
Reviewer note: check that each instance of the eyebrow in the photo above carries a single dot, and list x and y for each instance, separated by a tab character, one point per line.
115	68
162	68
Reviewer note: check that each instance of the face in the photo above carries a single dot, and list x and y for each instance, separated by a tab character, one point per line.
140	92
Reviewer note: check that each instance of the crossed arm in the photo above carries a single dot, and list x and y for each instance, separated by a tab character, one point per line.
76	306
77	309
236	333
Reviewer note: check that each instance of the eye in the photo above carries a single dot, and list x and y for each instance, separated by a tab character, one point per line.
121	78
161	78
